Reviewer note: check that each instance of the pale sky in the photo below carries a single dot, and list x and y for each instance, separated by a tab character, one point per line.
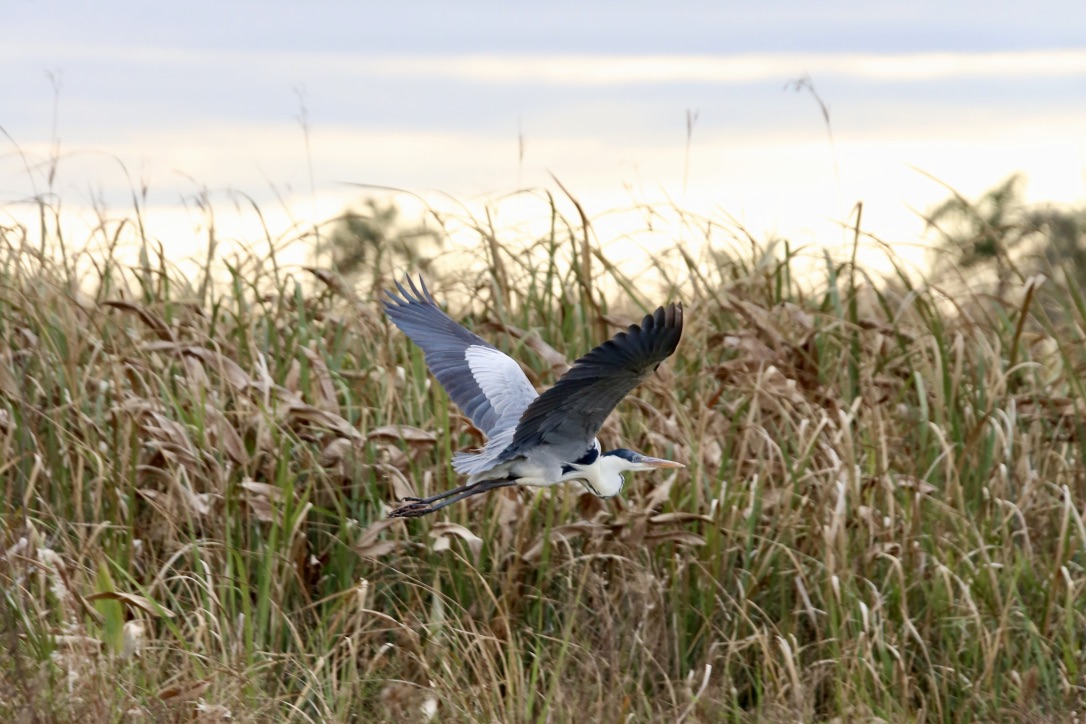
435	97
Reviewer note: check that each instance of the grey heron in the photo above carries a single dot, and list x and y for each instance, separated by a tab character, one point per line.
533	439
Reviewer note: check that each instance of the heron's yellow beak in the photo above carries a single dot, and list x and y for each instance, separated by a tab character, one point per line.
660	463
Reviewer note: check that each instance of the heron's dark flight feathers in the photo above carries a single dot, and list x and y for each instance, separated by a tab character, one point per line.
570	413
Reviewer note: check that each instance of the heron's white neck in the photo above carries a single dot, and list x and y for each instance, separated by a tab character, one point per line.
603	476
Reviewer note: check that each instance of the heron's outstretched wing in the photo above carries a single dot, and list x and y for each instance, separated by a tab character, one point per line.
570	414
484	382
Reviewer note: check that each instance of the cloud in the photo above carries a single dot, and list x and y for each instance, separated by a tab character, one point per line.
582	69
723	69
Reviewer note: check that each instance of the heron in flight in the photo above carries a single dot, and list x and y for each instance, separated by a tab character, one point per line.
533	439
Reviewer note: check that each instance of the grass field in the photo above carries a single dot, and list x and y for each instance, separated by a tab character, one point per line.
880	517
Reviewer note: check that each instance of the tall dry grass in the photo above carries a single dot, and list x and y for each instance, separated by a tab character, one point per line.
881	514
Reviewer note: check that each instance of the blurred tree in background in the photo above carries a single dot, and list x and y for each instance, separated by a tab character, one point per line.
1001	233
1064	238
369	242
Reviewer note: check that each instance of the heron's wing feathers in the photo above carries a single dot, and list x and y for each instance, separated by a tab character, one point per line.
572	412
485	383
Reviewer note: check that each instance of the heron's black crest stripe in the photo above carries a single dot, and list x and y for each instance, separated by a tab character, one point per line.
622	453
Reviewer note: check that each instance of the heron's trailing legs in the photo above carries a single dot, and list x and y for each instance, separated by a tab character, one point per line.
418	507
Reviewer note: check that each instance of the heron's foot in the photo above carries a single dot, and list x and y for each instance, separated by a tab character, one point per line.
415	509
410	499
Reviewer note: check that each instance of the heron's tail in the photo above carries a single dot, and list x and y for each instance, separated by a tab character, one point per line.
469	463
473	463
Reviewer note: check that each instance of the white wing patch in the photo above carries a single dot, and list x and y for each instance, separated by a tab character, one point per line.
500	378
509	393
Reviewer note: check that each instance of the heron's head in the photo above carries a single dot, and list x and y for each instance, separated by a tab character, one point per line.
613	463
